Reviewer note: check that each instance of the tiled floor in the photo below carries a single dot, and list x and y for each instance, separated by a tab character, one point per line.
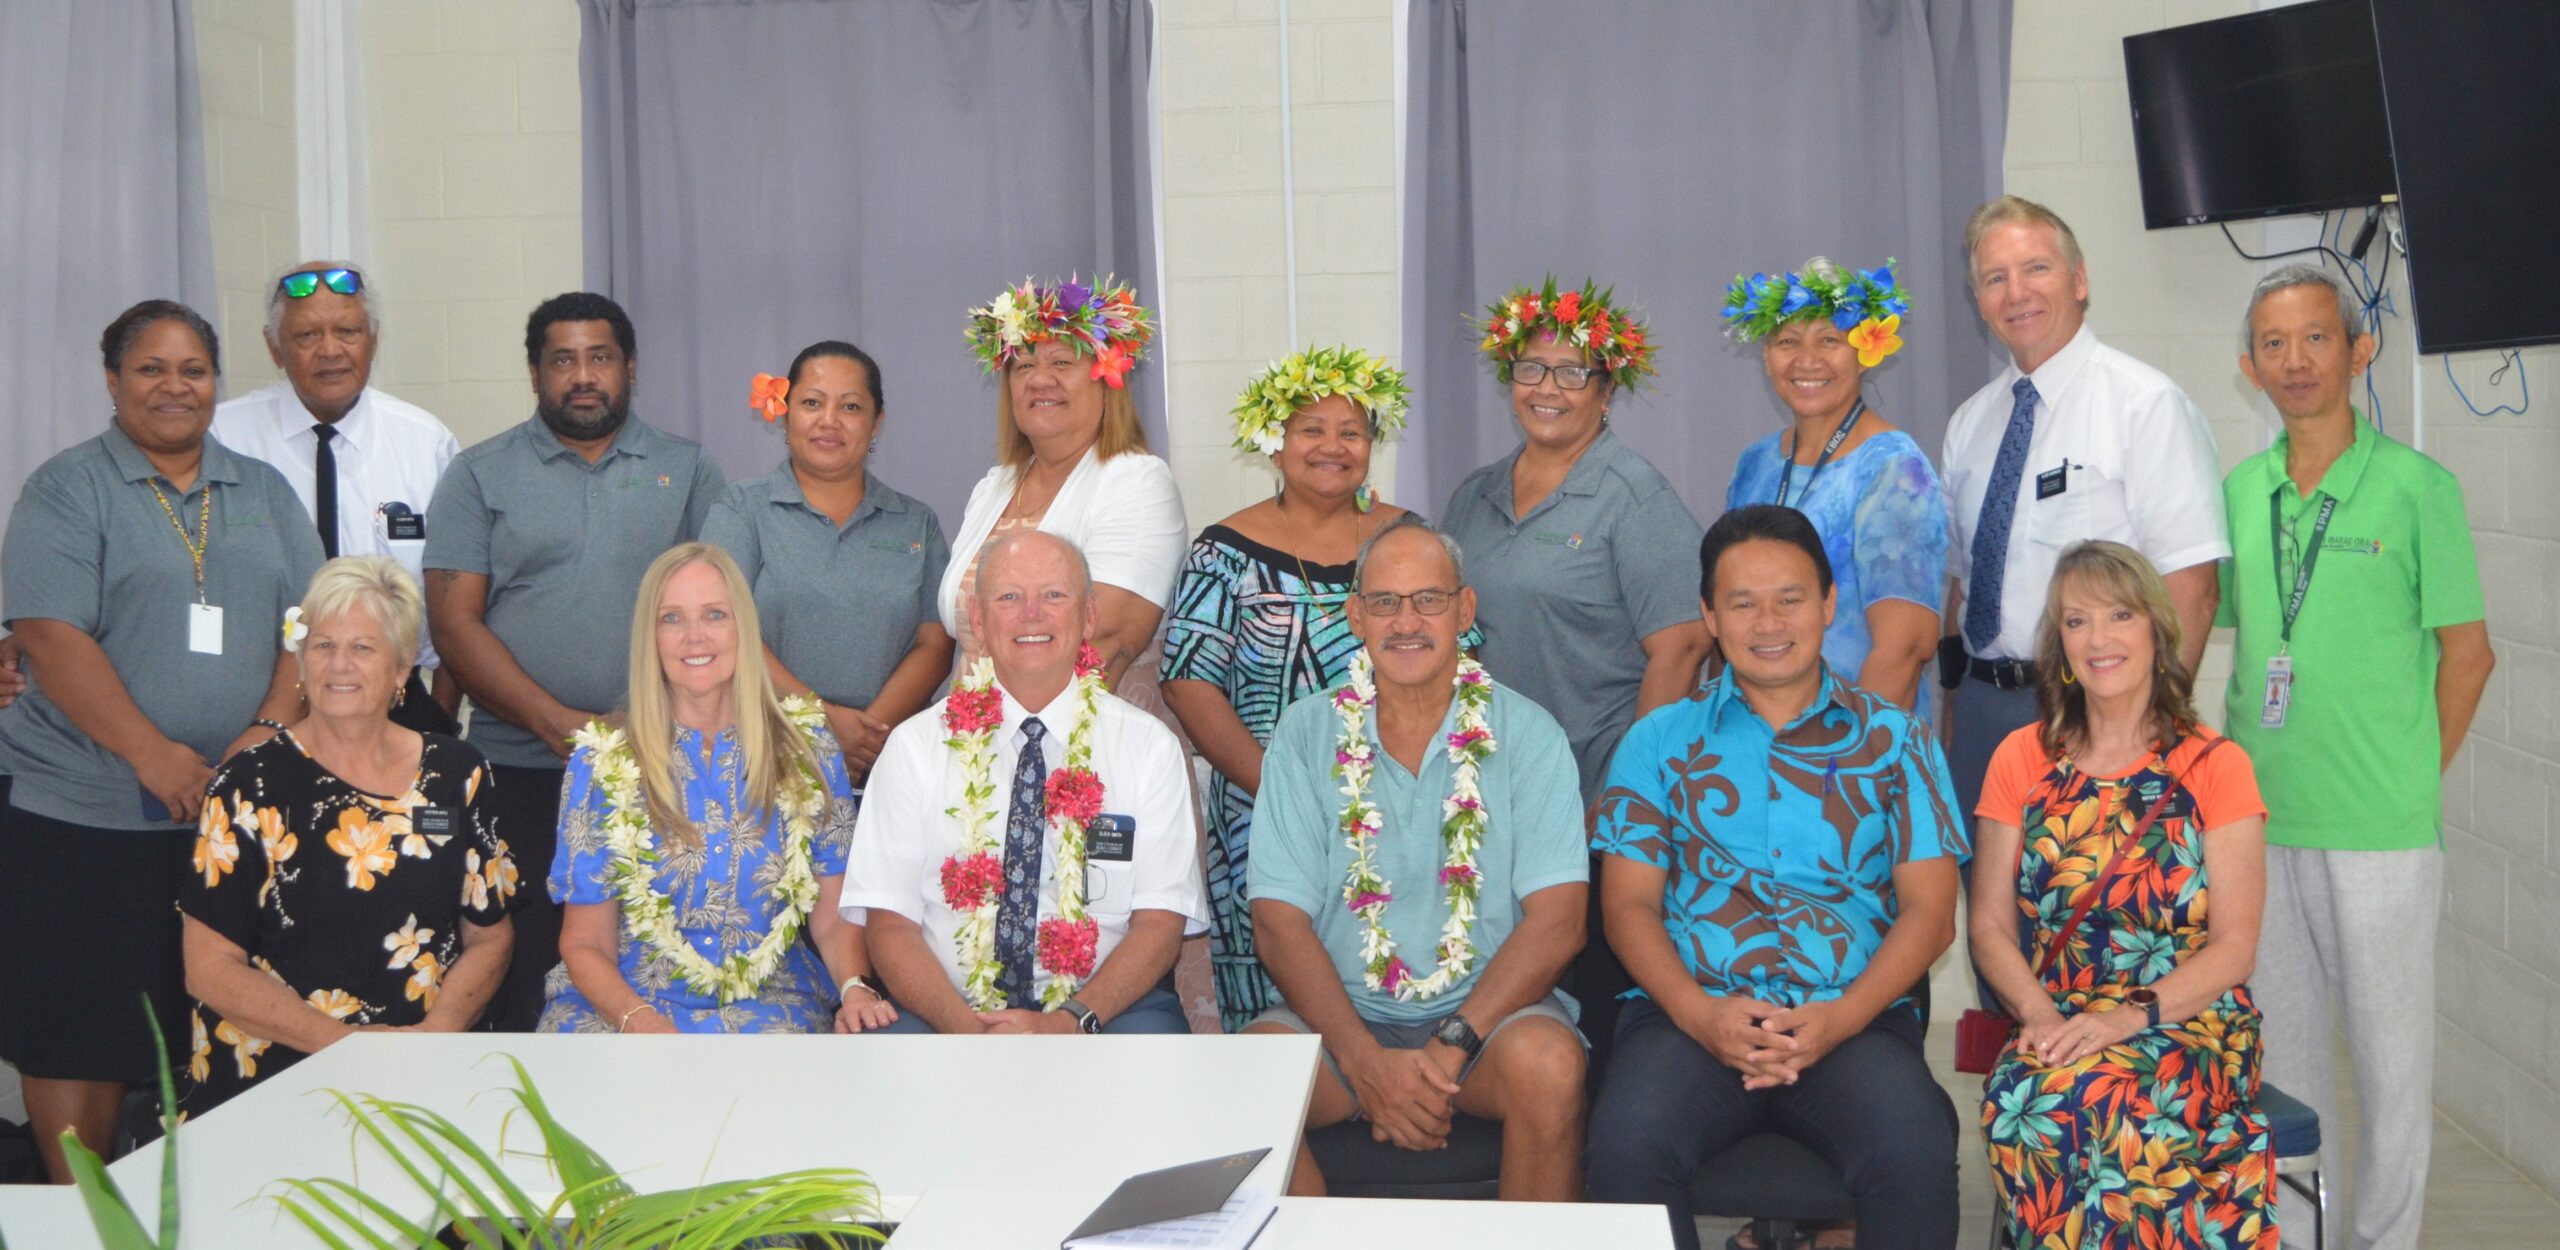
2474	1201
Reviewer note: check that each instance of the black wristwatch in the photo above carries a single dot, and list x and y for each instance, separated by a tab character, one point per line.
1455	1031
1086	1020
2148	1002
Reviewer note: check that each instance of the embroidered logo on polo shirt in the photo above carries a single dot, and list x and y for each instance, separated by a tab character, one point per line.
664	480
1557	538
893	545
2352	546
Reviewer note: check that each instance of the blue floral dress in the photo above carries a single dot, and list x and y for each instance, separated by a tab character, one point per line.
1883	520
721	891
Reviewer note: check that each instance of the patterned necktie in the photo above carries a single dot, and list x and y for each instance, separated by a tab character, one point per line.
1991	533
1018	915
324	489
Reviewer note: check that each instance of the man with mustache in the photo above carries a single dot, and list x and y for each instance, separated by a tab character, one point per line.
975	937
536	543
1428	962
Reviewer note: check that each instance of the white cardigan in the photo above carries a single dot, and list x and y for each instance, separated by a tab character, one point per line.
1124	513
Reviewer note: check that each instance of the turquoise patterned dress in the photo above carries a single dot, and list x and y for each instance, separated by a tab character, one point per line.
1883	519
721	891
1265	628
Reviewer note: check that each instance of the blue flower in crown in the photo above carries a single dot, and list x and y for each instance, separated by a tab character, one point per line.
1798	298
1848	316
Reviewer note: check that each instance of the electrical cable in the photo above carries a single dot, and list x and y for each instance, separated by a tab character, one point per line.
2524	388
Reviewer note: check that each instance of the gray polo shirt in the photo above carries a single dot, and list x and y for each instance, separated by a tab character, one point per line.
90	546
564	544
841	606
1567	594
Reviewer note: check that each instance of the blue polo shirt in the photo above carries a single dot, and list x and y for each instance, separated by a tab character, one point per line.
1781	841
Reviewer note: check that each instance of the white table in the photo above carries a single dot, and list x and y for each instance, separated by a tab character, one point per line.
958	1217
915	1113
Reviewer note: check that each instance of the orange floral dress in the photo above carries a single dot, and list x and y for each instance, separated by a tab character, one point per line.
2156	1141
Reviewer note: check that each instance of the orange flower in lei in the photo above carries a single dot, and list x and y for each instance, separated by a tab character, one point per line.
767	396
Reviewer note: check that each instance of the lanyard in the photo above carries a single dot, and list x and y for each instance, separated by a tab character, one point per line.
2310	556
195	542
1788	474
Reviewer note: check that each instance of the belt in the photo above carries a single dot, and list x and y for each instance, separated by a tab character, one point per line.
2001	674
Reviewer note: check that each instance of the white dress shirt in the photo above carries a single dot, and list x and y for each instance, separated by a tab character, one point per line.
906	829
388	451
2132	456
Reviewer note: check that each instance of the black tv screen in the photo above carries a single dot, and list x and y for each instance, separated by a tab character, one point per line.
2259	115
2475	116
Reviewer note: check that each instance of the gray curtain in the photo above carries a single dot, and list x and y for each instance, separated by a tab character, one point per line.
763	174
1664	145
102	203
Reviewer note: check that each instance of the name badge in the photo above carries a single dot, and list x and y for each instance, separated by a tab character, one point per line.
435	822
204	629
2053	481
1110	836
2279	698
405	526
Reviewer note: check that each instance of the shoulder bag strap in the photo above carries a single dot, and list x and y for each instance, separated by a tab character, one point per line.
2098	889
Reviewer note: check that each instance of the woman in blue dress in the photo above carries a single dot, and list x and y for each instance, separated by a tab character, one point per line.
1257	619
702	843
1866	486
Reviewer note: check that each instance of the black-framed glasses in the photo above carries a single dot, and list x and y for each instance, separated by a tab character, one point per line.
1388	602
342	281
1570	377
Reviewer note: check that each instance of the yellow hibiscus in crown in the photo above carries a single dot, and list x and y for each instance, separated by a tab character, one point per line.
1876	338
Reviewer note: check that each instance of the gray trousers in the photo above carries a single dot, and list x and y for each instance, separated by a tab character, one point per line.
1984	715
2349	943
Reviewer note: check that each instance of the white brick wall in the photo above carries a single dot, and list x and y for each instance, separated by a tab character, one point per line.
1226	313
244	53
471	135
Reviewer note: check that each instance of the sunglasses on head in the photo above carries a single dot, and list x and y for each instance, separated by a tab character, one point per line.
342	281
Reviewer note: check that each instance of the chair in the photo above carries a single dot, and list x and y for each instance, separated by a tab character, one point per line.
1358	1166
1777	1183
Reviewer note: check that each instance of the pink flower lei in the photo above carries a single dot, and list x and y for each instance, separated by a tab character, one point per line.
1365	892
973	876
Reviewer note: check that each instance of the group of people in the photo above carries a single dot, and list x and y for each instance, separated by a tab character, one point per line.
853	775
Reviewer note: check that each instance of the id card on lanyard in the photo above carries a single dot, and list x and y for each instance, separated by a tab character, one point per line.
2279	697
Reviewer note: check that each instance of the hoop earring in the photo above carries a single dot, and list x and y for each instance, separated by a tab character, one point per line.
2067	678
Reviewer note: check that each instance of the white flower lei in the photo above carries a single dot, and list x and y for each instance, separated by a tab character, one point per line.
650	917
1461	832
976	940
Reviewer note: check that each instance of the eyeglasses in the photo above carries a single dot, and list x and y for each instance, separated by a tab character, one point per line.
342	281
1570	377
1426	602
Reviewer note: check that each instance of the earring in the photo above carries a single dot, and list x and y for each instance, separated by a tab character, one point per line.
1364	498
2067	678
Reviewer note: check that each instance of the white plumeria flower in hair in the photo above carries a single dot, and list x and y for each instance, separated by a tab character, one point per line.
294	630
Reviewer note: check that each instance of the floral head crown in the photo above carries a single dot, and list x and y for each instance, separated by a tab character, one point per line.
1865	302
1103	321
1263	411
1584	319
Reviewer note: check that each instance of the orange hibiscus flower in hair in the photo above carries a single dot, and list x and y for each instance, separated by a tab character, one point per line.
767	396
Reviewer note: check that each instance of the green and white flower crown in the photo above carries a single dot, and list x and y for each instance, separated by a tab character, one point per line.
1262	413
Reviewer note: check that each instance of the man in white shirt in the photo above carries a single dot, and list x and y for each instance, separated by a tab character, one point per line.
386	455
2073	441
979	942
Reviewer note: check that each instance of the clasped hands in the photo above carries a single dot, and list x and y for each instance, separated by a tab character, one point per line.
2058	1041
1408	1095
1768	1044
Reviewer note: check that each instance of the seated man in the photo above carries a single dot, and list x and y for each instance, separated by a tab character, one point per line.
1427	959
1026	852
1779	871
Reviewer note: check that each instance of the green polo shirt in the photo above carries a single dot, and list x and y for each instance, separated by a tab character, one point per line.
2357	765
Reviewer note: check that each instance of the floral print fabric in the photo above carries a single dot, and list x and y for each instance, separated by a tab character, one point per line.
355	901
2157	1140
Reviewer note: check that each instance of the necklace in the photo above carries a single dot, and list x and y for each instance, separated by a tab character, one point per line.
973	876
1461	833
1323	611
650	917
1788	473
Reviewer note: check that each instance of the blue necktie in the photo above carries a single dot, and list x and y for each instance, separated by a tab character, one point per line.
1018	915
1991	533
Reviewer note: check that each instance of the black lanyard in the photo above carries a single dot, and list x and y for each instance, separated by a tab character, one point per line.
2310	556
1788	474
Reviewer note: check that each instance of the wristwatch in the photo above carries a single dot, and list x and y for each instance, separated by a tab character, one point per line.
1455	1031
2148	1002
1086	1020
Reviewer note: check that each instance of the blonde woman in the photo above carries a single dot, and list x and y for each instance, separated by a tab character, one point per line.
698	840
347	874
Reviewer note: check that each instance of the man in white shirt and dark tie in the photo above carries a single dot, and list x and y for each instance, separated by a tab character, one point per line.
2073	441
364	464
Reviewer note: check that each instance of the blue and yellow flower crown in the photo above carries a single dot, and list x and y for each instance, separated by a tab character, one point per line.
1865	302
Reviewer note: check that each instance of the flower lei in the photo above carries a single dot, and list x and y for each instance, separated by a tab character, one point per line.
973	877
1584	319
1103	321
1865	302
650	917
1262	413
1461	833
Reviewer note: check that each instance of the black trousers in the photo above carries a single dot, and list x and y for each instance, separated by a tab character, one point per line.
1870	1107
525	803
